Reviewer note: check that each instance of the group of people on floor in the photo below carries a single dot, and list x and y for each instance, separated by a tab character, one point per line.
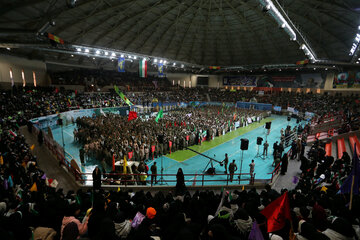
105	136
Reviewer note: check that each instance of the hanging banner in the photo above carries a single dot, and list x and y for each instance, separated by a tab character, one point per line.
143	68
160	69
121	64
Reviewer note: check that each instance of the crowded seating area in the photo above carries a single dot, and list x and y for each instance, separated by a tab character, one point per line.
30	206
316	208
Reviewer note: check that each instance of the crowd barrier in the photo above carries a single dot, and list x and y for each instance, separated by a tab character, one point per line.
123	179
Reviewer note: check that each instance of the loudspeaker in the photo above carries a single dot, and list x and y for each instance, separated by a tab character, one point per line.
211	171
160	138
244	144
259	140
268	125
60	122
289	118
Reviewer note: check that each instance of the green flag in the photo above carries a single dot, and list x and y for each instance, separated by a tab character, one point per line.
159	115
123	97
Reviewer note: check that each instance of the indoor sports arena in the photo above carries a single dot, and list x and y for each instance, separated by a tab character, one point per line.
179	119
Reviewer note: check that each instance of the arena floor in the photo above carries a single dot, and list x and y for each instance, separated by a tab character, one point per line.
193	163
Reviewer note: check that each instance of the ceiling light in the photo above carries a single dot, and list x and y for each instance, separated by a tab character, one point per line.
283	25
174	64
78	49
93	58
8	48
326	69
357	62
182	65
155	60
333	66
87	50
97	52
161	61
297	69
135	57
165	62
122	55
113	54
314	68
72	55
106	53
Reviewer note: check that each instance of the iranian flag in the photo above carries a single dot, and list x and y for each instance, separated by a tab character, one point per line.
143	68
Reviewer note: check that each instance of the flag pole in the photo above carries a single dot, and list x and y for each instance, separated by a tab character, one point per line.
352	191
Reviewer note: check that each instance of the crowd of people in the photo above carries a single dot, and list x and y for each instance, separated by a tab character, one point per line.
105	136
30	208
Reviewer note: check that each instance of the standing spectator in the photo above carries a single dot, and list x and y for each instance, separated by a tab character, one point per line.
82	156
275	147
252	168
284	164
232	169
180	182
266	146
96	178
225	162
153	173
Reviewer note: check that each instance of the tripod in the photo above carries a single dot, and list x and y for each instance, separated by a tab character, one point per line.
258	155
161	180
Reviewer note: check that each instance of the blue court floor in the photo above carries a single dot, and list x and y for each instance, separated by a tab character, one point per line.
196	165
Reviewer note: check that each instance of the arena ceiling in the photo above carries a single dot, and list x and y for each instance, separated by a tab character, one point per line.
204	32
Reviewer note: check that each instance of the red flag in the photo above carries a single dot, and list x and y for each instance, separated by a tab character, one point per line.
170	145
153	151
113	163
130	155
277	212
132	115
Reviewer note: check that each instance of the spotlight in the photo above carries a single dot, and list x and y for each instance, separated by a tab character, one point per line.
97	52
71	3
72	55
182	65
113	54
155	60
93	58
78	49
266	8
165	62
283	25
174	64
46	27
135	57
122	55
8	48
87	50
106	53
161	61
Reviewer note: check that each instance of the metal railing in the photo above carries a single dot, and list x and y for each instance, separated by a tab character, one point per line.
138	179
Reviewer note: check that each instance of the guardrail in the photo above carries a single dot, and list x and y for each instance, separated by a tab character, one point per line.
138	179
